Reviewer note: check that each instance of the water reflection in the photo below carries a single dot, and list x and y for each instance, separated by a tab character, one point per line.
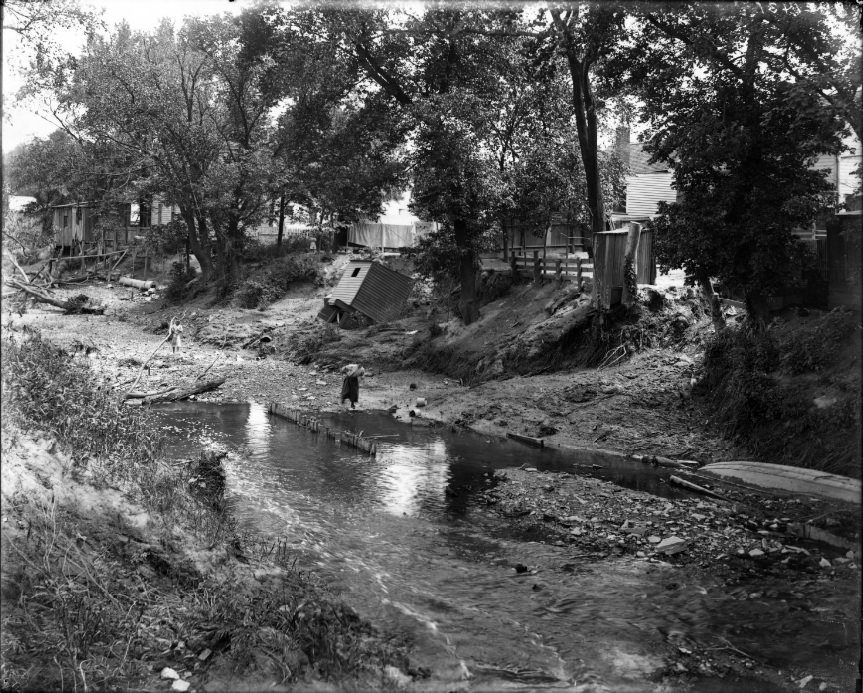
412	474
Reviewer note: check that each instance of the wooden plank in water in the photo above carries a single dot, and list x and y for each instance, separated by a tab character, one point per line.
535	442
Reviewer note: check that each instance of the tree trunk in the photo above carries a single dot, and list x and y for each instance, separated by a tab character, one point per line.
69	306
468	302
281	221
713	301
630	281
199	250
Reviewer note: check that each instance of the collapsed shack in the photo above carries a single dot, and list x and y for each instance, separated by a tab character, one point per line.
367	289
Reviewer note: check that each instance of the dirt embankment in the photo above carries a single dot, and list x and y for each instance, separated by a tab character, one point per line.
504	373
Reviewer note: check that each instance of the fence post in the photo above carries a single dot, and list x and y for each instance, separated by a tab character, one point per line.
557	271
537	268
513	266
578	272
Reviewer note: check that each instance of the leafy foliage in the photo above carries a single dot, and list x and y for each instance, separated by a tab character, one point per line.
740	135
46	388
758	386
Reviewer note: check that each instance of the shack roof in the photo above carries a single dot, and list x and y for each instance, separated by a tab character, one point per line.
372	289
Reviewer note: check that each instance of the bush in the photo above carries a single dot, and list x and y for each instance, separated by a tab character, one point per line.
46	388
177	290
759	389
275	282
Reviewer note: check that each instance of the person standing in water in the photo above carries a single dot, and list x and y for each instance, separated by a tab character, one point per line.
351	384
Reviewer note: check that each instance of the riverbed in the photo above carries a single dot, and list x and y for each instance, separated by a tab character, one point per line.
405	537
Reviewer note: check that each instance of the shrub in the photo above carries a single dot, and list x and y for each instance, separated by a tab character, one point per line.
275	282
177	289
750	389
46	388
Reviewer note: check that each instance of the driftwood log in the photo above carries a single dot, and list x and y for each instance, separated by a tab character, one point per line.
69	306
177	393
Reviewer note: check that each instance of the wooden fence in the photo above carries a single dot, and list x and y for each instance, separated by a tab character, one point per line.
574	269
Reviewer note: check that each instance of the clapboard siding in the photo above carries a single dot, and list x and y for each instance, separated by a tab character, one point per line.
644	191
376	291
348	287
383	292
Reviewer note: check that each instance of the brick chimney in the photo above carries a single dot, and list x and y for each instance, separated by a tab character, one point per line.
621	143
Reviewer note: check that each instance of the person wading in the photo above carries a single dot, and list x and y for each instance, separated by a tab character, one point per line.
351	384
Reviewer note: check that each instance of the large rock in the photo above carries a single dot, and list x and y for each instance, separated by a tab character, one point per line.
671	545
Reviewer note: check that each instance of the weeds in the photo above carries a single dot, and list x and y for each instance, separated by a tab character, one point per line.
45	387
275	282
759	388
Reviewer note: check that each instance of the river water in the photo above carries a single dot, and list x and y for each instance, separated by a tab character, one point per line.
399	537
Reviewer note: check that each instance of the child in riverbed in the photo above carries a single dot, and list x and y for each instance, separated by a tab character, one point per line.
351	384
174	332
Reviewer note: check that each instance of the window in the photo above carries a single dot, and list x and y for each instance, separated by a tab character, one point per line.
356	272
65	219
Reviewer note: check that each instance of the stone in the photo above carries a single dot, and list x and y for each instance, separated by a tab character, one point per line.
180	685
824	563
671	545
168	673
653	539
755	553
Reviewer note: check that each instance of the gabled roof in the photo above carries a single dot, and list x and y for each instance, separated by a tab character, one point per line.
638	161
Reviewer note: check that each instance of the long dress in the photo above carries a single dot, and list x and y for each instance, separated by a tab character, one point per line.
351	388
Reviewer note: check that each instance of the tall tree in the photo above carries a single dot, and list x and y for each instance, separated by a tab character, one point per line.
587	35
740	133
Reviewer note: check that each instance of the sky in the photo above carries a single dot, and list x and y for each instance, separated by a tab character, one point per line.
21	124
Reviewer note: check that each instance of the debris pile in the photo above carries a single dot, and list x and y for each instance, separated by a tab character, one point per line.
603	520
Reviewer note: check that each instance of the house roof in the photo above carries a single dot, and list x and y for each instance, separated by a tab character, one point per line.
638	161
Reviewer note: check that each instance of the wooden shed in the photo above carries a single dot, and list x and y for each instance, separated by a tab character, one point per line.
370	289
609	248
74	223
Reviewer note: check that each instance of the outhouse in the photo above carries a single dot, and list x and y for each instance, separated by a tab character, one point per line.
370	289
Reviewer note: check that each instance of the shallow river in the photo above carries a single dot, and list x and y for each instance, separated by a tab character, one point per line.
399	537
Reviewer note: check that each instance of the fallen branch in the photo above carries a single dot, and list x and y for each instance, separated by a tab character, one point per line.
218	356
23	273
177	394
167	337
120	259
144	365
68	306
695	487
